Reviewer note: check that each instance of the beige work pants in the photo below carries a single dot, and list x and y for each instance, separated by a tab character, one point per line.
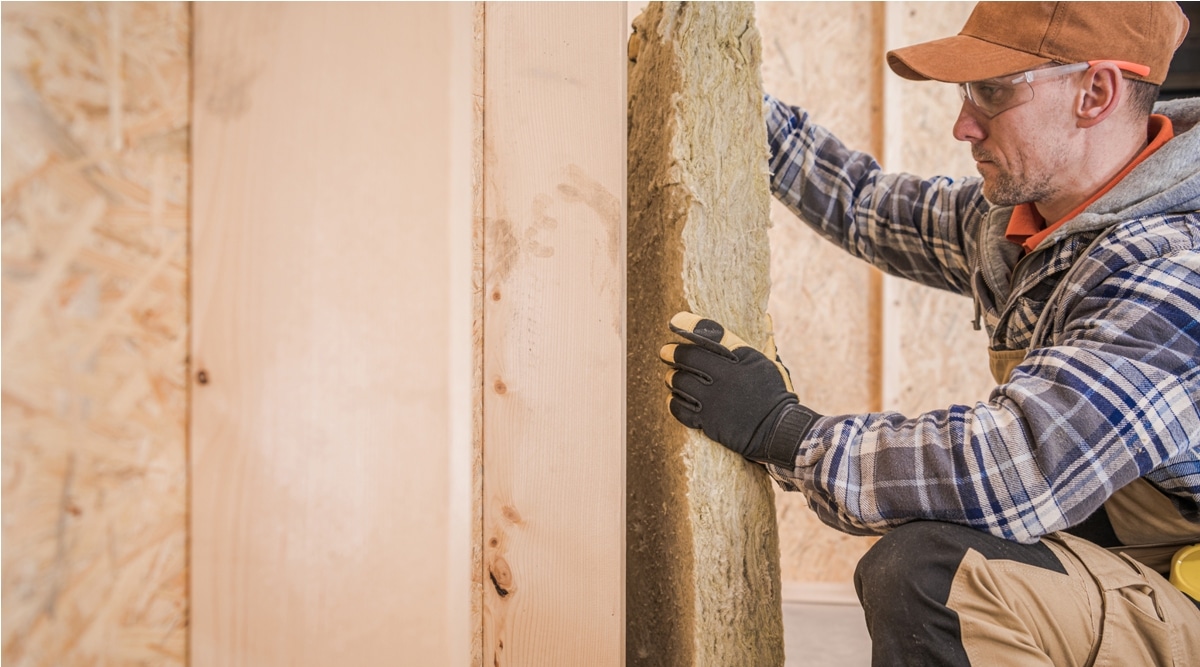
1108	610
943	594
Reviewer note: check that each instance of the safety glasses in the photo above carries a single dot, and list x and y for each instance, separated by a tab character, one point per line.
994	96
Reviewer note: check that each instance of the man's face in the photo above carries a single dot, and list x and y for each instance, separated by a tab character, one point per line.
1020	152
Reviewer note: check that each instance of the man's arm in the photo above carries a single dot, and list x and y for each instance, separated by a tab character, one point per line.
1114	398
905	226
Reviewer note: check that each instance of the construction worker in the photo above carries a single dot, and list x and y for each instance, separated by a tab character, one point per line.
1035	528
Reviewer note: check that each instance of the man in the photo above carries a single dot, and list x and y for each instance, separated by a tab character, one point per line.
1005	522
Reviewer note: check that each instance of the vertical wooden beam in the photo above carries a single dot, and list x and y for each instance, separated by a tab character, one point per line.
703	548
331	307
554	333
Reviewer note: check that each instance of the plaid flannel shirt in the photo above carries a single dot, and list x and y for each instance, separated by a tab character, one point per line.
1110	388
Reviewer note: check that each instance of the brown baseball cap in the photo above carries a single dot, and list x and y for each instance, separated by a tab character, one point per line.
1006	37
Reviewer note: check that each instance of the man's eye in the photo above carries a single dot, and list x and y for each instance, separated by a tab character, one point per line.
993	93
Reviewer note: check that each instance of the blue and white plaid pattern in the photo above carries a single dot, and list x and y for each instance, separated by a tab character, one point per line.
1108	394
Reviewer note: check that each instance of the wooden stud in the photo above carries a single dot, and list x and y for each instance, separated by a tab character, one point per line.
332	312
554	334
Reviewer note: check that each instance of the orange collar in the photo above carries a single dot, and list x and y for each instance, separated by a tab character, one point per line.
1027	228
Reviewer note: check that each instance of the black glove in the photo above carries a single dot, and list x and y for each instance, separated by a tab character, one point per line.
737	395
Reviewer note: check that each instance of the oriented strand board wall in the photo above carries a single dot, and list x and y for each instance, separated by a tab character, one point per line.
825	57
554	334
703	552
933	357
95	108
332	308
865	342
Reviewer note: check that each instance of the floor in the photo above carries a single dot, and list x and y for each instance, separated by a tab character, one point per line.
822	634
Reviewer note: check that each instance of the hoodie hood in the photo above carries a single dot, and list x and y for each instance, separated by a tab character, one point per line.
1167	182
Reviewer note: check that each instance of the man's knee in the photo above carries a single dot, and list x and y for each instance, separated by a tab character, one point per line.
916	558
922	558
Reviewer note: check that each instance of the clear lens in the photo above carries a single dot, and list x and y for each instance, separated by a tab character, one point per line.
992	96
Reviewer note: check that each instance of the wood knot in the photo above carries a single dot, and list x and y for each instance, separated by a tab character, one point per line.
202	377
501	575
500	387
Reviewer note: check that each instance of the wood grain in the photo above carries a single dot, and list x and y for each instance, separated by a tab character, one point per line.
95	173
478	53
554	334
332	345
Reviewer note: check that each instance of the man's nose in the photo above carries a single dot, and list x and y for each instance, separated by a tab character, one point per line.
968	126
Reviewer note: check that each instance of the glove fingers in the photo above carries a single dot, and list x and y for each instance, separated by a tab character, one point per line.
688	384
667	352
690	358
683	410
706	333
684	403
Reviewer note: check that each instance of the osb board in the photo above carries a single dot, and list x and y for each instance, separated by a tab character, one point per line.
332	312
933	358
824	57
909	348
554	334
703	549
95	169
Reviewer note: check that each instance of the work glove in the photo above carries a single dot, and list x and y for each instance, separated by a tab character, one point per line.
735	394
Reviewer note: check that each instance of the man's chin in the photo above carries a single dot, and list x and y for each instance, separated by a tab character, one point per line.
998	196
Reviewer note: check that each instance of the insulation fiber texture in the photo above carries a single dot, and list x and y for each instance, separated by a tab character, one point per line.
703	549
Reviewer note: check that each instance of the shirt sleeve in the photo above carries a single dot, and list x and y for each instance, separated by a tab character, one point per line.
906	226
1111	400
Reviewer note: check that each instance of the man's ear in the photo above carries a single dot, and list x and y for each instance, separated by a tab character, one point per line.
1099	94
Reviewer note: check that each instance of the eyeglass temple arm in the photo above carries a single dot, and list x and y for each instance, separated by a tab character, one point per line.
1132	68
1051	72
1063	70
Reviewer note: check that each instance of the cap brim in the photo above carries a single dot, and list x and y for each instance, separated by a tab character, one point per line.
959	59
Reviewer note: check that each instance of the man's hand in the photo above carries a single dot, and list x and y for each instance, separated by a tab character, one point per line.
737	395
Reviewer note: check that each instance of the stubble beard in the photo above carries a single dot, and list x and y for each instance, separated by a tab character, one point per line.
1005	189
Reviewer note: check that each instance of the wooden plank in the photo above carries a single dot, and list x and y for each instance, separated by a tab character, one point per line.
332	346
554	335
703	552
94	288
